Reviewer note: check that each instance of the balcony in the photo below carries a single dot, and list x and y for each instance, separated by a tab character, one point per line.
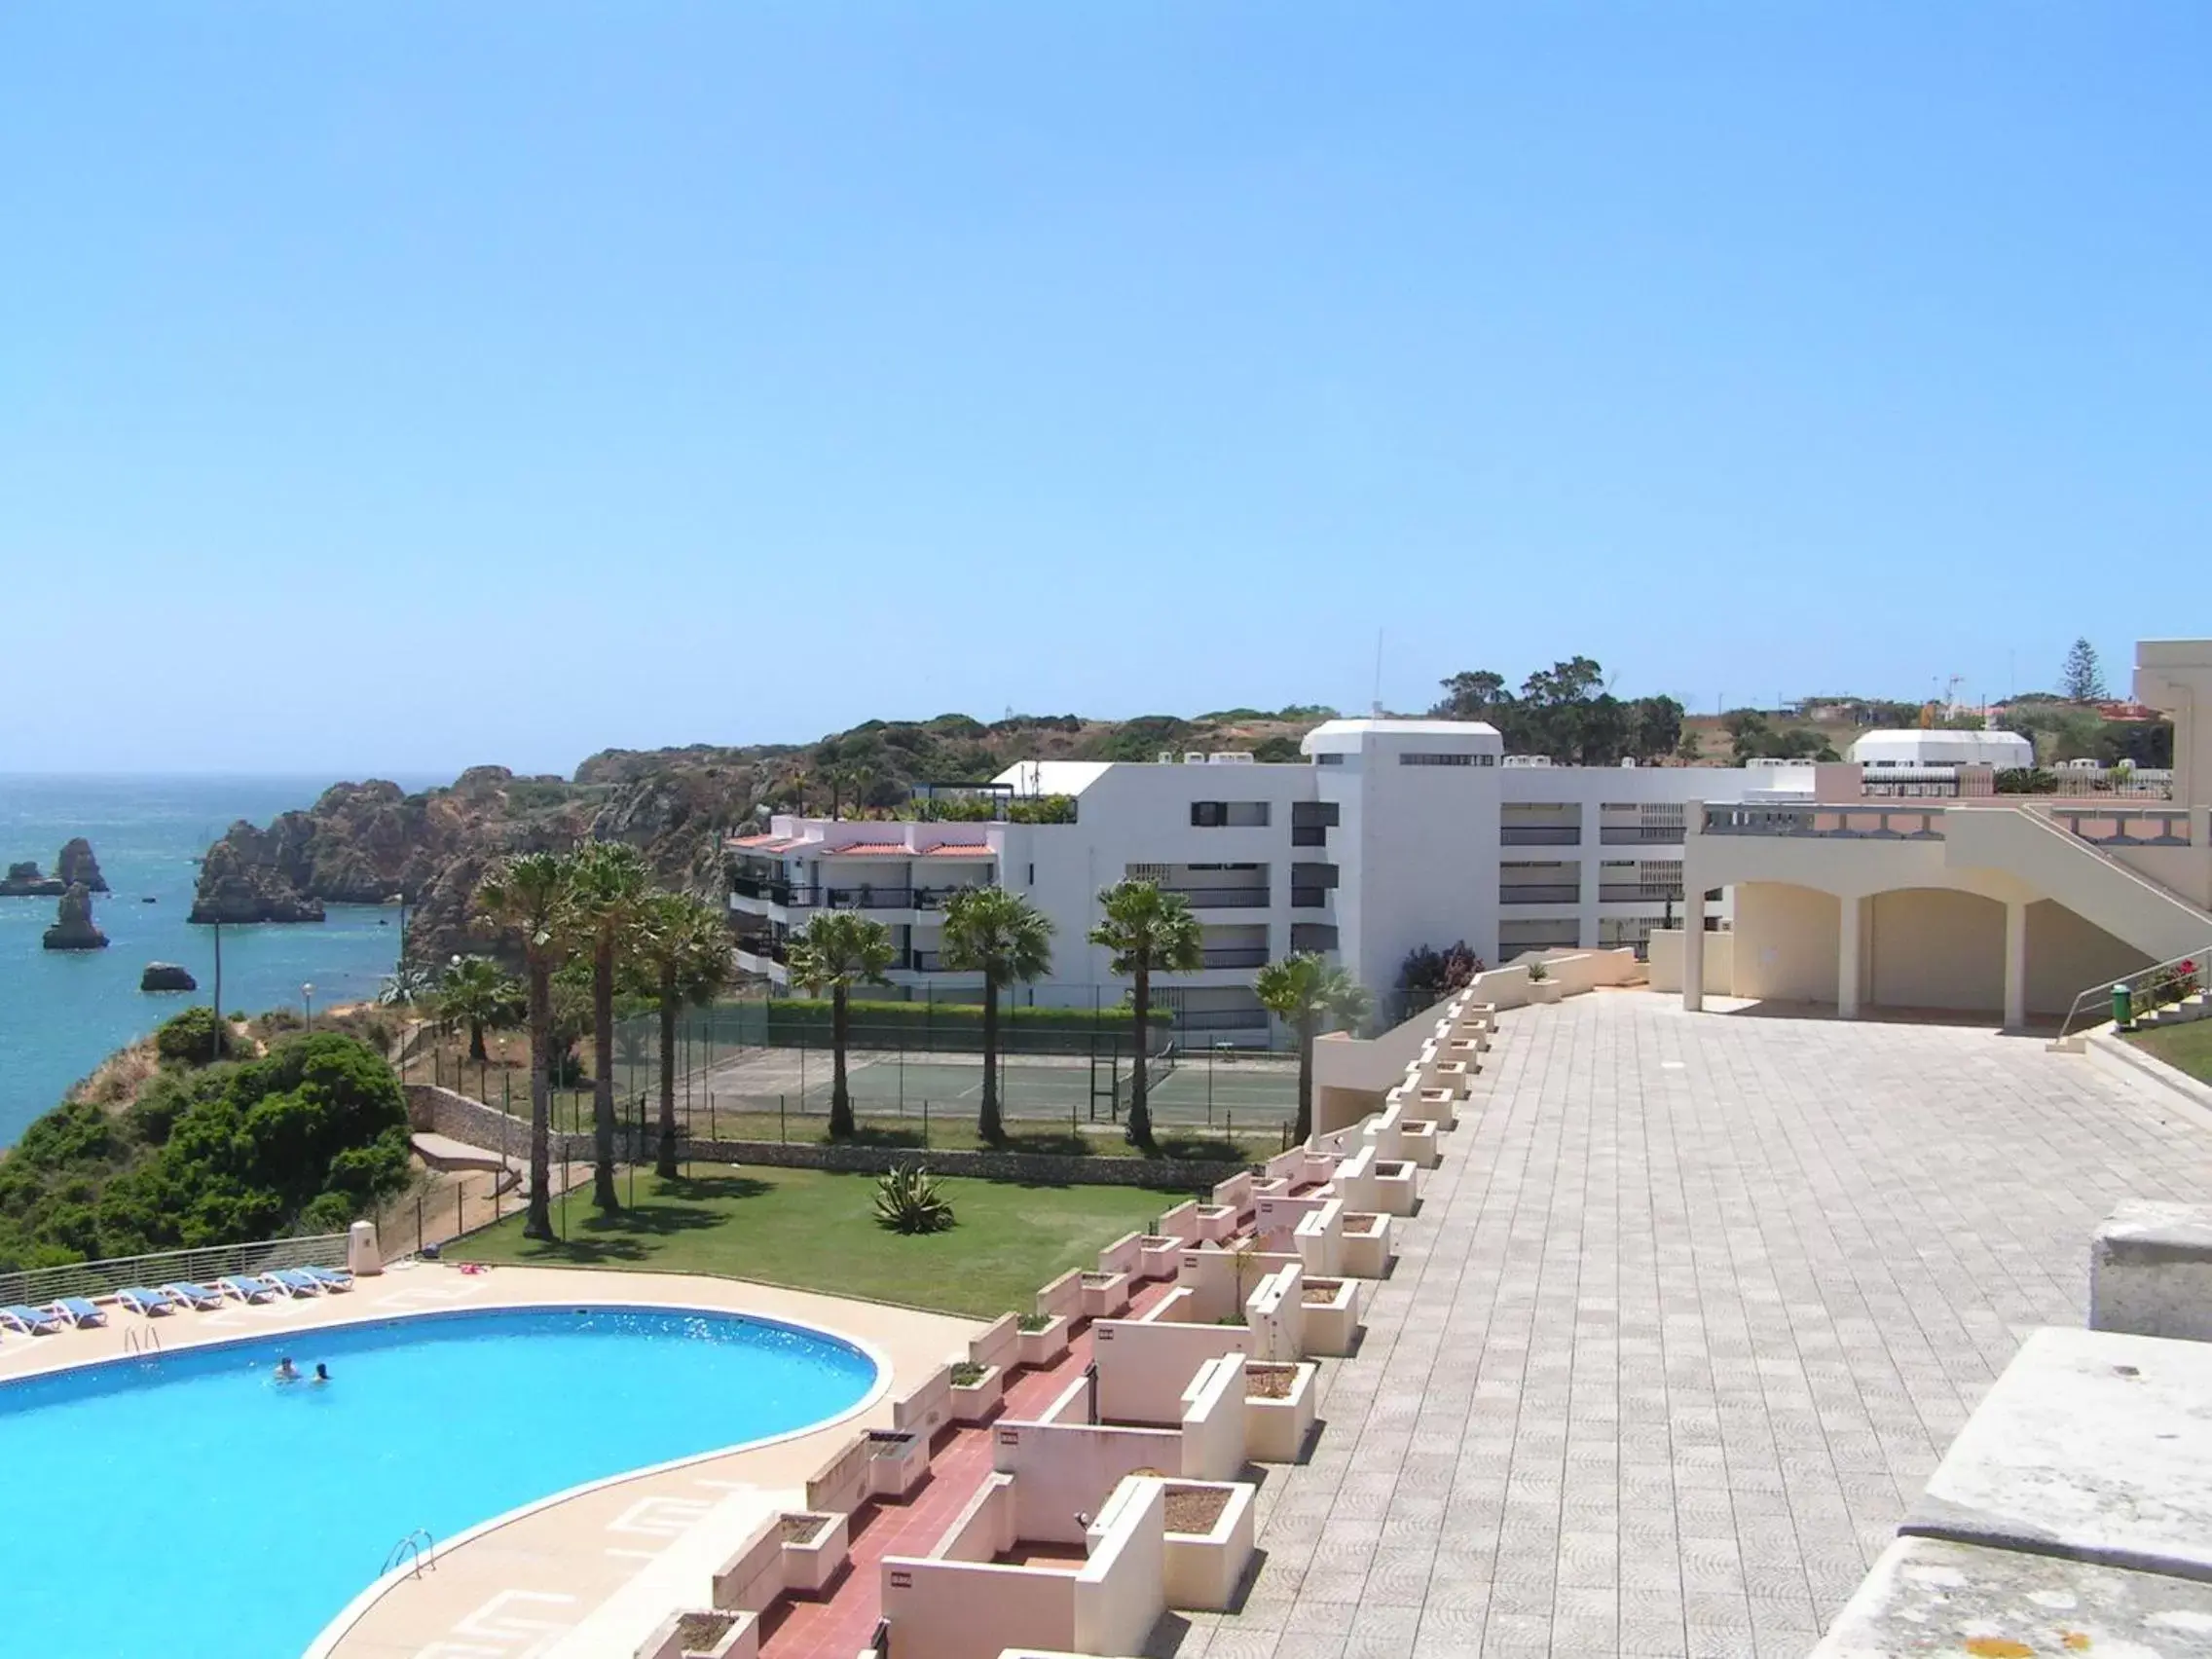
1308	898
1221	898
1638	893
784	893
1541	893
1308	835
1237	956
1641	834
1539	835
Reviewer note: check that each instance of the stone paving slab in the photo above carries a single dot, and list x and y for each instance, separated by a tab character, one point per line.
1928	1597
1691	1310
2093	1445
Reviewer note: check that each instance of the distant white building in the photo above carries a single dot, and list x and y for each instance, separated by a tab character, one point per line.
2002	750
1392	835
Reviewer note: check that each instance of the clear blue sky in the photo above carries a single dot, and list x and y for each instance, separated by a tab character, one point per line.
401	386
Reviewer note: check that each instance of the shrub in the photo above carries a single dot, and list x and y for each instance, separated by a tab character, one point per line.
966	1373
1032	1323
191	1037
908	1200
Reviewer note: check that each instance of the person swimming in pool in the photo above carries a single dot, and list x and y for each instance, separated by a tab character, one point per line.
287	1371
321	1374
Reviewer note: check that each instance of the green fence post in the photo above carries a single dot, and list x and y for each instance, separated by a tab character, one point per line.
783	1131
924	1123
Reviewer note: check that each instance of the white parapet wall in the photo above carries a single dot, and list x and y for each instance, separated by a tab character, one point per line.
2151	1271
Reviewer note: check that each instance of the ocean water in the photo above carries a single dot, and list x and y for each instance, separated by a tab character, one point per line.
190	1505
62	1011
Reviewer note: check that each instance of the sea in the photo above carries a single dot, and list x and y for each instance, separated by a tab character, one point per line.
61	1013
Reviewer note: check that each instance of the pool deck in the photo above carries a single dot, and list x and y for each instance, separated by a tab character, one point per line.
517	1586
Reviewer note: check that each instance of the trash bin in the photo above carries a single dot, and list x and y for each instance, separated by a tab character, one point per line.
2123	1007
362	1255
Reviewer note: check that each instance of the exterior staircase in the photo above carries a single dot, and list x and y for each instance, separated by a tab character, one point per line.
2079	874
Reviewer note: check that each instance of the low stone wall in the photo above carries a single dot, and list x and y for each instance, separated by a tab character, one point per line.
431	1107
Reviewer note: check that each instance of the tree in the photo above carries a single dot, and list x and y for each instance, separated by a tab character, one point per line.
2080	679
684	950
609	888
1689	751
1302	990
475	995
1658	727
835	951
1149	931
1471	696
529	894
1001	936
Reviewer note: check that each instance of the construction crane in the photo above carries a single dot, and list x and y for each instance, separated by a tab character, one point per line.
1938	707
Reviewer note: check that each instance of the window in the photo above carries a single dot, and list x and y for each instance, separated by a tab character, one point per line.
1328	759
1229	814
1421	758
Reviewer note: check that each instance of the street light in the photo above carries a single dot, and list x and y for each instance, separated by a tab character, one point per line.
306	999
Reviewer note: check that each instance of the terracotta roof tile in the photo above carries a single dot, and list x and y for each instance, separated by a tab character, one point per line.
870	849
960	850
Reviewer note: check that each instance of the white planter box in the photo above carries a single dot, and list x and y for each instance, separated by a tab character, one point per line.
1157	1256
1394	1188
1367	1245
1040	1351
1545	991
740	1640
1204	1569
897	1462
1417	1142
976	1401
1275	1430
812	1562
1105	1296
1331	1326
1217	1222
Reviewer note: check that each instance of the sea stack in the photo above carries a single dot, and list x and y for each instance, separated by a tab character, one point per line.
73	928
166	977
23	881
77	868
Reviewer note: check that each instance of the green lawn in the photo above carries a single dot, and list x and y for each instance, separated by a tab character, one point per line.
2185	1047
814	1230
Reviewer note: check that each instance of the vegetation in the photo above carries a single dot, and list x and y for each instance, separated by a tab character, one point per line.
1753	737
811	1229
1002	937
684	955
966	1373
908	1199
609	888
835	951
301	1140
1305	990
191	1037
1429	975
1148	932
474	994
2080	677
527	896
1566	712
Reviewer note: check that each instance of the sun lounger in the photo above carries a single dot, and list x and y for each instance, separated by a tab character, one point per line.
139	1300
296	1282
330	1278
248	1287
31	1322
197	1296
78	1310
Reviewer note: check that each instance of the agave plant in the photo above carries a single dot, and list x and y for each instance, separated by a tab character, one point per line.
409	982
908	1200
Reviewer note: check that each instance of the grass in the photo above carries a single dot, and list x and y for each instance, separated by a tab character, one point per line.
2185	1047
810	1230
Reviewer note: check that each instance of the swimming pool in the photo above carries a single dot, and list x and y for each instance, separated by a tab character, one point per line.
189	1506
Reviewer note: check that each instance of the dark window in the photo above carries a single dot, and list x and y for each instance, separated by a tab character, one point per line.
1426	760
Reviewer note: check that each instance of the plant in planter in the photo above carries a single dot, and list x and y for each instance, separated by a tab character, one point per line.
975	1391
966	1374
815	1547
1538	971
908	1200
1042	1338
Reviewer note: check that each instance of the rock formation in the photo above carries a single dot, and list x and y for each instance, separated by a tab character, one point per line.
23	881
73	928
166	977
242	880
76	867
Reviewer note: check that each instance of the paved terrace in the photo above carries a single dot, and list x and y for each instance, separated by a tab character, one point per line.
1690	1311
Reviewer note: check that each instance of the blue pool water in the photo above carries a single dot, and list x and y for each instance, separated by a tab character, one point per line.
190	1506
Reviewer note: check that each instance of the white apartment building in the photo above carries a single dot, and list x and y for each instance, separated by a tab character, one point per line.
1392	835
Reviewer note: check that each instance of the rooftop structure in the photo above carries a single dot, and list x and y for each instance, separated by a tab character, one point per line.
1998	748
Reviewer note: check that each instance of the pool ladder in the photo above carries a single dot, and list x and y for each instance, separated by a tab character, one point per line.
417	1548
142	1339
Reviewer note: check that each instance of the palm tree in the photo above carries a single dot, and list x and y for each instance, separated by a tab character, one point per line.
1149	931
608	891
685	944
835	951
476	995
1001	936
1302	990
530	895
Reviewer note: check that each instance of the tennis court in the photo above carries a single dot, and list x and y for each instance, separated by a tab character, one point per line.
1207	1088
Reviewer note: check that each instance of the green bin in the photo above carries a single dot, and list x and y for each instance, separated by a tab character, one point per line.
2123	1007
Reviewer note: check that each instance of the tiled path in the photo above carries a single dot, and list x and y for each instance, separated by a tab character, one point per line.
839	1627
1691	1307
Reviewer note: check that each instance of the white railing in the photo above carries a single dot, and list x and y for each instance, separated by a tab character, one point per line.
2149	988
37	1287
1844	820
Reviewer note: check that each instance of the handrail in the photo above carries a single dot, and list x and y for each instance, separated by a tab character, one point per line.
411	1548
2091	997
144	1339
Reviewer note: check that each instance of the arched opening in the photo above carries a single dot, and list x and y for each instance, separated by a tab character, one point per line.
1785	942
1933	947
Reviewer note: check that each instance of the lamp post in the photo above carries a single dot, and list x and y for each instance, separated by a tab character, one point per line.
307	1001
218	1053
